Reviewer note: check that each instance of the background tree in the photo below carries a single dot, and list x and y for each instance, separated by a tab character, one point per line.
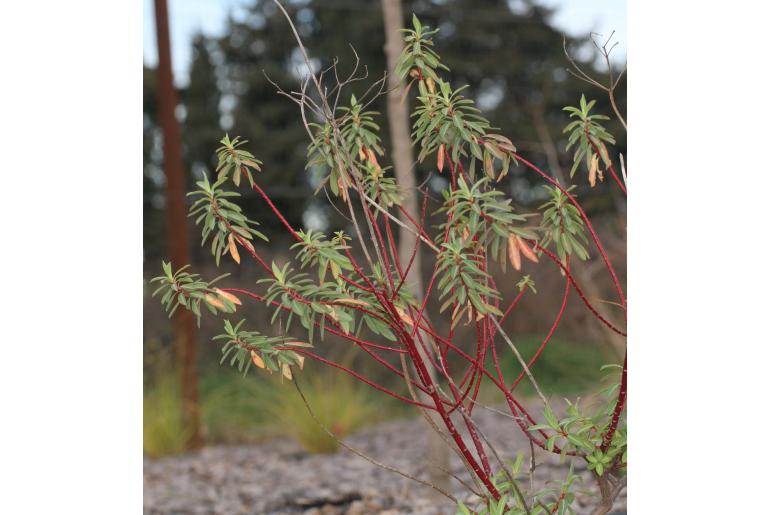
201	99
403	168
176	216
154	226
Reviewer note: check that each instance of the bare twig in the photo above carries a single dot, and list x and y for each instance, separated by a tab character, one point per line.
532	465
521	360
494	410
623	169
609	88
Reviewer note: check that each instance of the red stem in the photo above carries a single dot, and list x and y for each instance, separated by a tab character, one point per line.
513	304
277	213
580	293
548	336
359	377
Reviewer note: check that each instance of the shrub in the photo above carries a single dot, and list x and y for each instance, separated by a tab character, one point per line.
353	285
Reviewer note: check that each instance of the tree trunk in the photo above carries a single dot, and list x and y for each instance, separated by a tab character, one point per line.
401	155
176	223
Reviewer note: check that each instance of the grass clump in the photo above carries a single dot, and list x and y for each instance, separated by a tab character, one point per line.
340	404
233	407
246	410
162	421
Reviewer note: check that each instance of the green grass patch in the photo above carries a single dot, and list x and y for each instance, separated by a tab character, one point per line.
564	368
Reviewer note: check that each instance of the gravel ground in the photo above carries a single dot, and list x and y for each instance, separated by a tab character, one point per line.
278	477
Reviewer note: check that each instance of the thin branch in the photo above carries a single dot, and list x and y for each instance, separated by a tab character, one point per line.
532	465
520	358
434	426
399	222
623	169
613	82
582	75
495	410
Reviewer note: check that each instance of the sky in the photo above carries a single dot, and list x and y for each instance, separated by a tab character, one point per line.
188	17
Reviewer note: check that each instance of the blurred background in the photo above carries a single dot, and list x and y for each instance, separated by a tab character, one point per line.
511	55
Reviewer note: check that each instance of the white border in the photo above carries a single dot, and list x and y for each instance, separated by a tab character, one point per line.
71	361
698	285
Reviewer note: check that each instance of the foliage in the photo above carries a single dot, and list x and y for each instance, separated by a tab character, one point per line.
333	151
273	353
182	288
218	214
589	137
418	53
236	161
359	132
315	250
480	216
563	225
551	499
585	434
463	281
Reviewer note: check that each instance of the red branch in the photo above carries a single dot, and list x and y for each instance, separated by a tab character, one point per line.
580	293
548	336
359	377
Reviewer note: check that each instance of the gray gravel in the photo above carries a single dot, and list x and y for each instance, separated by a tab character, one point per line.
278	477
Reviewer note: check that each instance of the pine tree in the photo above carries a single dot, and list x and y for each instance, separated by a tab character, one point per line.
201	99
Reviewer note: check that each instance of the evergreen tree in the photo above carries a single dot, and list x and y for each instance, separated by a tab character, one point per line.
152	205
201	128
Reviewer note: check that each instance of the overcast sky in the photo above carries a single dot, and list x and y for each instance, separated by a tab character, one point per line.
188	17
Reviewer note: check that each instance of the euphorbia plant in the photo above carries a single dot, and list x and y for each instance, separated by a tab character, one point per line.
353	285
